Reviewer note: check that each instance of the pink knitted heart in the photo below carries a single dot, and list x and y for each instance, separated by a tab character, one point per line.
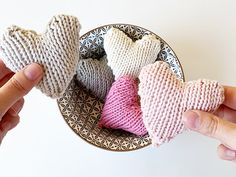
164	99
122	109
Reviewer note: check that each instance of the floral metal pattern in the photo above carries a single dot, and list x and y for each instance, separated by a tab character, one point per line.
81	110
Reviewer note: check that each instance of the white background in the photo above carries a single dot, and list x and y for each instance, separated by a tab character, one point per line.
203	35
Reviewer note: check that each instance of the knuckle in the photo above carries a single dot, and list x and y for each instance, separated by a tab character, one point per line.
13	111
18	86
210	126
16	108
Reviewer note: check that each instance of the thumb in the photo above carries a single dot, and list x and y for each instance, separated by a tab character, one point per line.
211	125
18	86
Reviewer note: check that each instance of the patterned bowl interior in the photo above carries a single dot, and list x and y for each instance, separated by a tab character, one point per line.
81	110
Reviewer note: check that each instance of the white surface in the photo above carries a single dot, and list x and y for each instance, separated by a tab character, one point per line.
203	35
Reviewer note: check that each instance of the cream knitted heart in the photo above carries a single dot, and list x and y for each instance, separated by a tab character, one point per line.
164	99
126	57
57	50
95	75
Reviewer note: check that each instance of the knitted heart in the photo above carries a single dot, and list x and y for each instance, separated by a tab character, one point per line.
57	50
95	75
126	57
164	99
121	109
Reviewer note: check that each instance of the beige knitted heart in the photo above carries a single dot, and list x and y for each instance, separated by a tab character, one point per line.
95	75
126	57
57	50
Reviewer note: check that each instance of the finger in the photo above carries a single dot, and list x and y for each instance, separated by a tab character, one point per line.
6	79
8	122
3	70
230	97
226	153
16	108
211	125
18	86
226	113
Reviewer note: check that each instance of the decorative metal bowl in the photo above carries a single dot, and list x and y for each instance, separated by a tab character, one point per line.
81	110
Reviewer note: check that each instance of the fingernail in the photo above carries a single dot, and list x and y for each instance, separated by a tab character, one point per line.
230	153
33	71
191	120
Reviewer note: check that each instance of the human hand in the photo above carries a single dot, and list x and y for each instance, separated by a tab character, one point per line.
221	125
12	89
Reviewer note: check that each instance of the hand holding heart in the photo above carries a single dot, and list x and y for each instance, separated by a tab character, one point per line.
221	125
13	87
57	50
164	99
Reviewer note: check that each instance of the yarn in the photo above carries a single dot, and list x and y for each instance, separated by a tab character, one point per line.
126	57
121	109
57	50
164	99
95	75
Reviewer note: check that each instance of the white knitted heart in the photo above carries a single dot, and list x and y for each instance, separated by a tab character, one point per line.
126	57
57	50
95	75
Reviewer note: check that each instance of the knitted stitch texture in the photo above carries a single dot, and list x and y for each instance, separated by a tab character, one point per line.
164	99
122	109
126	57
95	75
57	50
